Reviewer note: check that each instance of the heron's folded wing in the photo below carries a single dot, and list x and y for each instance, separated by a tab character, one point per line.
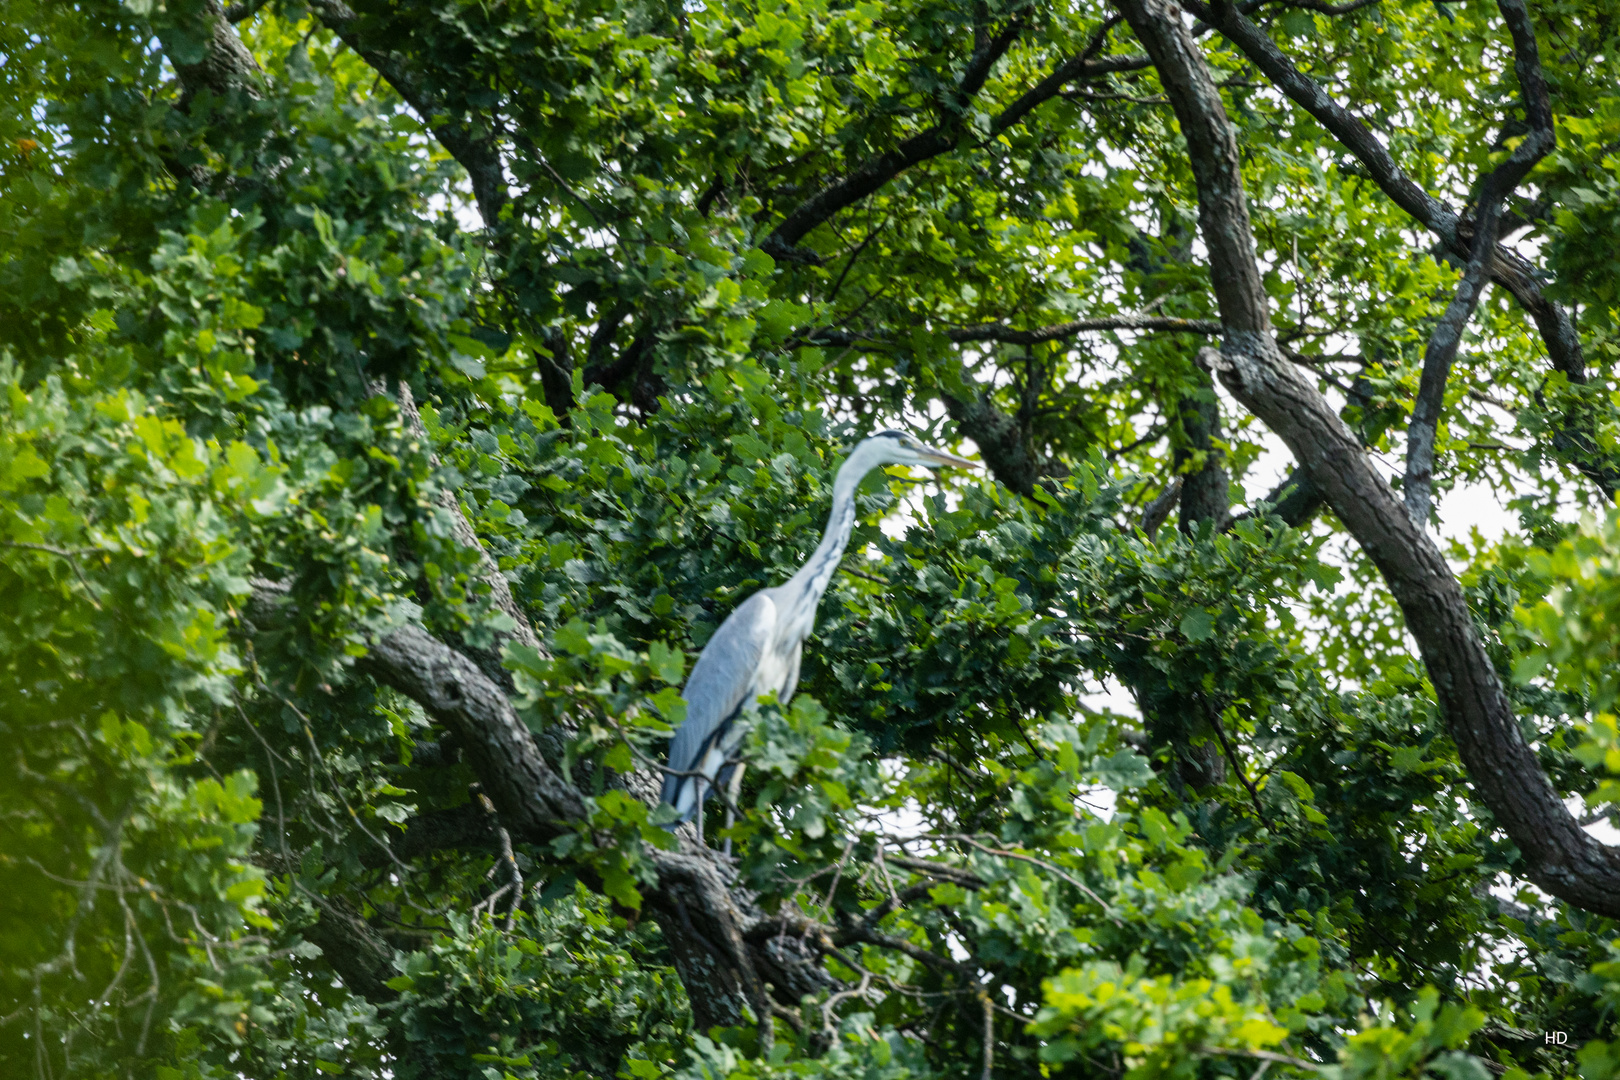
719	684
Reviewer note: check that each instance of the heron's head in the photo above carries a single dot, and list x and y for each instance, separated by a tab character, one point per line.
899	448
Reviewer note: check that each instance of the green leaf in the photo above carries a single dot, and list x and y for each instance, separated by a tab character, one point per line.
667	663
1198	625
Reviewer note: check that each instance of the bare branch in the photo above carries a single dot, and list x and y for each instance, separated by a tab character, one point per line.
1501	182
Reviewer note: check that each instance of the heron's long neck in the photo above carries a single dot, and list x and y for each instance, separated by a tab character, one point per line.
807	586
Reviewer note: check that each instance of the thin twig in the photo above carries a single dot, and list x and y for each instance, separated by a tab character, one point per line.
516	884
1231	757
337	789
833	999
964	838
72	557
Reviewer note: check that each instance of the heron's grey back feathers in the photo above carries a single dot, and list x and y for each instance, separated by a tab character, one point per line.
718	688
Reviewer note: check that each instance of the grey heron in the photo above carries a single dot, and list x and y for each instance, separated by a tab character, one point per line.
756	651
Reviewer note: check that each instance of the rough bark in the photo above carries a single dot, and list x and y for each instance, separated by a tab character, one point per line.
530	797
218	62
1002	441
730	953
704	916
1157	512
1557	854
356	952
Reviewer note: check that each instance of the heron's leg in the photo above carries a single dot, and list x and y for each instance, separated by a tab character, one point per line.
733	789
702	793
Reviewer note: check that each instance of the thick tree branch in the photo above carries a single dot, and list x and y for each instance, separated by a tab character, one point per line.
1002	334
1418	482
999	332
1078	69
1002	441
703	916
1558	855
712	925
353	949
1295	500
1501	182
220	63
1157	512
244	10
1507	268
530	797
944	136
1205	490
477	153
938	139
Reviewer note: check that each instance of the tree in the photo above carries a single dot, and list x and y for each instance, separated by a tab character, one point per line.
398	395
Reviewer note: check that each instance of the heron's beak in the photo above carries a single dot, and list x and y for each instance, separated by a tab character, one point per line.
940	457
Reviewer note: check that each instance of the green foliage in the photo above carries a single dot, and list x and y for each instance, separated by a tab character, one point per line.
1177	806
1157	1021
1575	626
573	992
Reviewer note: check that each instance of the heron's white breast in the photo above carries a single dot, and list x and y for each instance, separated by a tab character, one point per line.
774	667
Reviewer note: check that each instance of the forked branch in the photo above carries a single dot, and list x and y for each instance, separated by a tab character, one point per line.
1447	334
